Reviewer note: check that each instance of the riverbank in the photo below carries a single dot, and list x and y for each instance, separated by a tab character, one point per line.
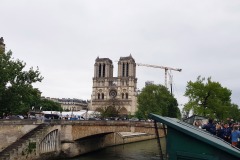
130	137
89	145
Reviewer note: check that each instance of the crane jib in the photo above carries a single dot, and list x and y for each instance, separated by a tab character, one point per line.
165	68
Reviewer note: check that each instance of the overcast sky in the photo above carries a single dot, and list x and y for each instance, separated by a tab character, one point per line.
63	38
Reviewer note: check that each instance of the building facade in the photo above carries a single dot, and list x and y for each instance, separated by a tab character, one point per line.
119	92
69	104
73	104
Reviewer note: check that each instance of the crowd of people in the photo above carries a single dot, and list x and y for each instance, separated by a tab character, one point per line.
228	131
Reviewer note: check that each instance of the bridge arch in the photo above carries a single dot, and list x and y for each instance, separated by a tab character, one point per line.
50	142
94	135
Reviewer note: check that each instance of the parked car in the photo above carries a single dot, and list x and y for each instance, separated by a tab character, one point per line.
134	119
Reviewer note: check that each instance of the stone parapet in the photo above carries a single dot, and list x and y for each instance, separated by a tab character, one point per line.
20	122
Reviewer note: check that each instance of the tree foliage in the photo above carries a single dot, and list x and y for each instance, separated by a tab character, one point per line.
232	112
49	105
158	100
17	94
112	107
108	111
208	98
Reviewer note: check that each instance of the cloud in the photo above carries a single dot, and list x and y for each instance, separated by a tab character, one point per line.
64	38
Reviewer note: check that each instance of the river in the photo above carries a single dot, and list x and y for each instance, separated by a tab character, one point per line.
144	150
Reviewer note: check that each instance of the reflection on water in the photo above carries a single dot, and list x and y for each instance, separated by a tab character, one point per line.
145	150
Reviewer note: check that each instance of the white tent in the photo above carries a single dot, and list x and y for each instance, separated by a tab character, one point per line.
84	114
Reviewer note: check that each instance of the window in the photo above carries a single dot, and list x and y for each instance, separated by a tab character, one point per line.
103	70
127	70
126	95
123	69
99	70
102	96
98	95
122	95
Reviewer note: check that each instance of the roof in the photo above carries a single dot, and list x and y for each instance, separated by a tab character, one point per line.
103	60
197	133
127	58
72	100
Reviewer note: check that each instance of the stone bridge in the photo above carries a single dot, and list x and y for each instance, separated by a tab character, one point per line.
36	140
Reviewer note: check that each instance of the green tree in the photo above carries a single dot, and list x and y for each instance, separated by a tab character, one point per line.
111	108
157	99
49	105
207	98
17	94
108	111
232	112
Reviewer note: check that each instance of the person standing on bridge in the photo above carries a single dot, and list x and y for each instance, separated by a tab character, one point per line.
210	127
226	133
235	135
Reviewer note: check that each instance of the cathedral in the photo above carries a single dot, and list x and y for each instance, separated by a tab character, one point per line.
119	92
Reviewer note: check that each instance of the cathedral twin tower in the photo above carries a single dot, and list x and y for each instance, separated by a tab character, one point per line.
119	92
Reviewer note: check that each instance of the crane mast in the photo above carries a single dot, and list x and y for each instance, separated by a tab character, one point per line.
162	67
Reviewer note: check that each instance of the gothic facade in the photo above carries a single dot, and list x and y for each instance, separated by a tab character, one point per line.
119	92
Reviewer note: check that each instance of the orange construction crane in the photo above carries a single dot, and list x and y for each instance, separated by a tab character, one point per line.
166	71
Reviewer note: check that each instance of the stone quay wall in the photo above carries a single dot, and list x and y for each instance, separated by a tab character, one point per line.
12	130
68	138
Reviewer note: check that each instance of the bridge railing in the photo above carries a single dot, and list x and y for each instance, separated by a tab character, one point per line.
82	122
100	122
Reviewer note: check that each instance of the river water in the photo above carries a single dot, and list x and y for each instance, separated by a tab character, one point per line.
144	150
